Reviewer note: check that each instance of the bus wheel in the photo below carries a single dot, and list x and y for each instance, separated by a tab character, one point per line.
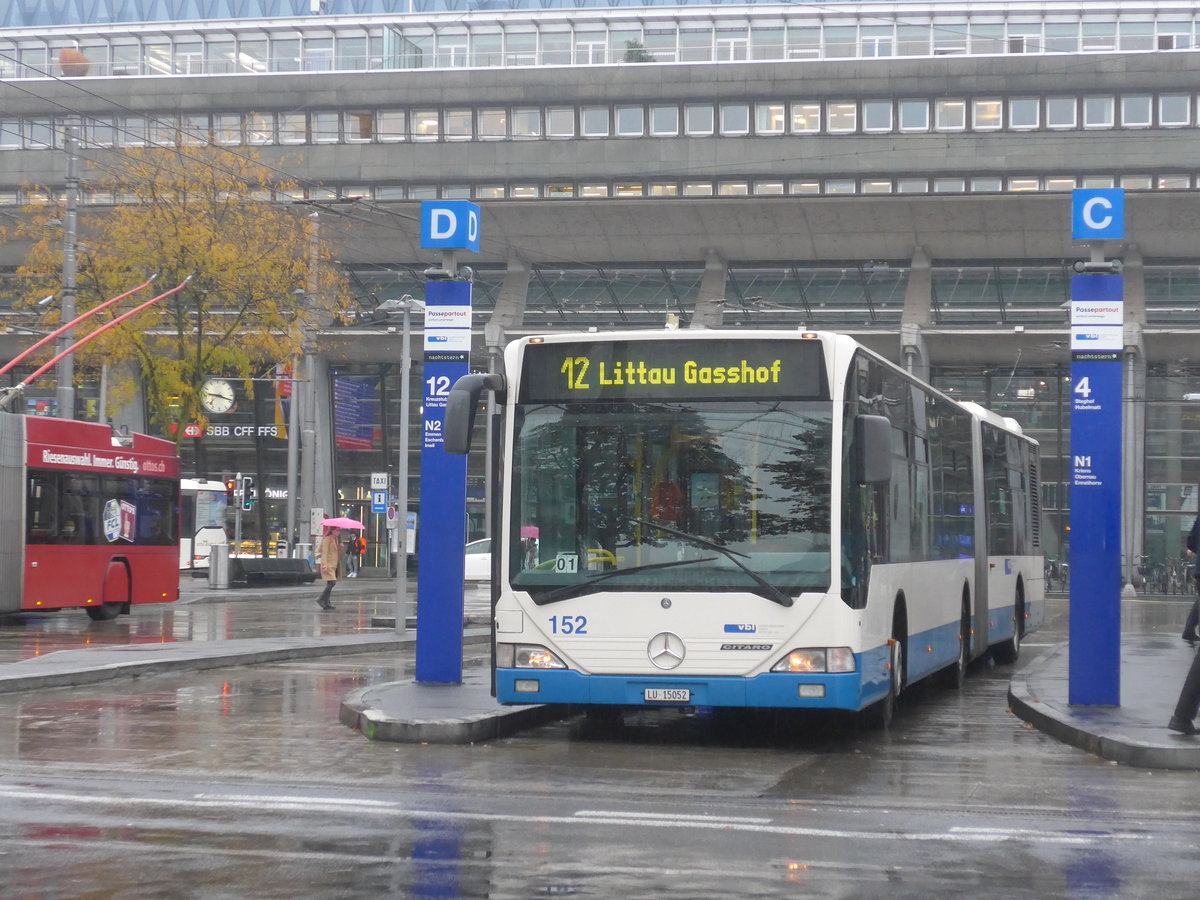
1006	653
104	612
878	716
954	676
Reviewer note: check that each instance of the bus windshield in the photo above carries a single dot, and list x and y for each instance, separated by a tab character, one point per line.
651	496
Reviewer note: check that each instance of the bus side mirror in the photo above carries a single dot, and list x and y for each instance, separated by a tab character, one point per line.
461	405
872	449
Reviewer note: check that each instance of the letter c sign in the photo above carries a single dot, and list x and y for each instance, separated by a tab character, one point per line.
450	224
1097	213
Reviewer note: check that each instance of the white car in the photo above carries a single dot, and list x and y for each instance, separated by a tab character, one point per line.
478	561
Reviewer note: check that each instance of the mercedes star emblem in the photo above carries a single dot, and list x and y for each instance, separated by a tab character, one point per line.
666	650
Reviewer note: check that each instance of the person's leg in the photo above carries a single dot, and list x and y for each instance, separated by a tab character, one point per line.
1193	618
323	600
1189	700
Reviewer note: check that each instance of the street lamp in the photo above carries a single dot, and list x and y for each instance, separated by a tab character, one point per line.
406	304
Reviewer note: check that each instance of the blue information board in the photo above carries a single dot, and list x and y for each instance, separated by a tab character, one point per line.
1095	628
443	488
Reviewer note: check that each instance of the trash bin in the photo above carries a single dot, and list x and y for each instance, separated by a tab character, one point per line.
218	566
303	551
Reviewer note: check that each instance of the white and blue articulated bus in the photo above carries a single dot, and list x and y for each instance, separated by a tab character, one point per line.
746	519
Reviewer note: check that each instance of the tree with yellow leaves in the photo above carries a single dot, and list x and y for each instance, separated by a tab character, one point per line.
259	277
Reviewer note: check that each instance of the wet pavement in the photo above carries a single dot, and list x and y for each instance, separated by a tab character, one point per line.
241	782
211	629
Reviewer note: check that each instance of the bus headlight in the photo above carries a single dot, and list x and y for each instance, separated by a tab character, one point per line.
526	656
816	659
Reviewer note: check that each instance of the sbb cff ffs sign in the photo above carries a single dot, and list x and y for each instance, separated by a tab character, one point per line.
450	225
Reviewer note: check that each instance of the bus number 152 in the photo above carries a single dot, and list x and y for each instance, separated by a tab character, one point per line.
568	624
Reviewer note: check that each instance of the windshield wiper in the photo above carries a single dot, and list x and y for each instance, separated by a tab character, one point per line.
574	590
771	592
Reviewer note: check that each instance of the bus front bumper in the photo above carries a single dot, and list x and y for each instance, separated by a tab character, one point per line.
776	690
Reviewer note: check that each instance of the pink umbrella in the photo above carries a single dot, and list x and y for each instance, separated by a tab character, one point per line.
342	522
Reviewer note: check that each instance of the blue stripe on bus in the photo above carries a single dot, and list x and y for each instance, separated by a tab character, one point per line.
928	651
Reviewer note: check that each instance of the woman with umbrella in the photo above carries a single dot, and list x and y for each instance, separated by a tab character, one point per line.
331	556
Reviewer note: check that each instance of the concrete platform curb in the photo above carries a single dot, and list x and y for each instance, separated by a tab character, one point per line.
411	713
94	665
97	664
1038	695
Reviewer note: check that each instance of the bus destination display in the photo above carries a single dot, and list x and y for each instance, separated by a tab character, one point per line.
660	370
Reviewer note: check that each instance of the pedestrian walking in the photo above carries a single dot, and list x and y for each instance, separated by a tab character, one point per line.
1183	720
331	559
1193	618
352	557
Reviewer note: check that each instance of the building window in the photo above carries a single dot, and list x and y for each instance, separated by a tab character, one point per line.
1024	183
949	185
1174	182
876	186
492	124
664	121
593	191
841	117
986	115
877	116
1098	112
914	115
804	188
1023	113
631	121
526	123
560	191
840	186
1135	111
593	121
806	118
324	127
1137	182
359	127
697	189
457	124
260	129
425	125
768	188
733	189
489	191
1060	183
735	118
392	125
227	128
1096	181
768	118
560	122
663	189
628	189
950	115
698	119
986	184
1061	112
912	185
1174	110
524	192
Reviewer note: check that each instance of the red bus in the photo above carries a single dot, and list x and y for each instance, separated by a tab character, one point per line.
99	515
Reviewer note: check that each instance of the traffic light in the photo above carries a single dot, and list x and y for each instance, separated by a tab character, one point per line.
230	489
247	492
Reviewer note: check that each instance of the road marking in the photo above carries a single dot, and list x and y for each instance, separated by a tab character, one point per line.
672	817
267	803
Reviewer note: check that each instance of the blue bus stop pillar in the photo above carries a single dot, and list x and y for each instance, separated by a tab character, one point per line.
1096	379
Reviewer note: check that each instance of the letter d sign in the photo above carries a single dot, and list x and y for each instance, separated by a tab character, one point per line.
450	224
1097	213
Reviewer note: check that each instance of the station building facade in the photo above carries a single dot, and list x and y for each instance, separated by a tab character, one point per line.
900	172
